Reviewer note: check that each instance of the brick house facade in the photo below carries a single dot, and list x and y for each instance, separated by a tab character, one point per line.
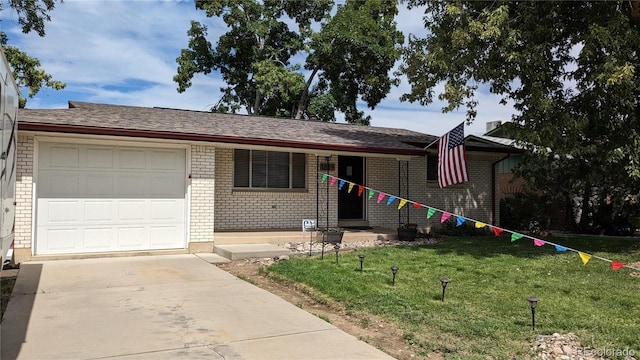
99	199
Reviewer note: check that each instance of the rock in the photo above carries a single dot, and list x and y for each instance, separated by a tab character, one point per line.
567	350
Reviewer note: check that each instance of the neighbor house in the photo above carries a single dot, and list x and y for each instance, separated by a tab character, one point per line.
98	178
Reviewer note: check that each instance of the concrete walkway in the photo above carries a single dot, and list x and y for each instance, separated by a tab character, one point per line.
159	307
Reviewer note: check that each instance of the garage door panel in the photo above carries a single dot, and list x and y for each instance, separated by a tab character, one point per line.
109	198
166	160
64	156
167	186
61	240
165	210
132	159
133	184
98	239
100	158
132	210
98	211
132	237
161	236
62	212
99	185
59	184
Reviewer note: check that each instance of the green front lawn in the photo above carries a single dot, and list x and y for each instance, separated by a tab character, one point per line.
485	311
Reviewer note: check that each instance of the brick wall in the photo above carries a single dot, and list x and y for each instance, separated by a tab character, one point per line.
471	199
239	209
202	213
24	193
255	209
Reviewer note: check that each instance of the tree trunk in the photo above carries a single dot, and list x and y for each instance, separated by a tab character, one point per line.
585	208
302	103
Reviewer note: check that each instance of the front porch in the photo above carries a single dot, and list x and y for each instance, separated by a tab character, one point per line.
281	237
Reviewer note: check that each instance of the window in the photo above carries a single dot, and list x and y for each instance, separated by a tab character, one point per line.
259	169
507	165
432	167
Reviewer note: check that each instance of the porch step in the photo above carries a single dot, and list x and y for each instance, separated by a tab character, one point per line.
283	236
248	251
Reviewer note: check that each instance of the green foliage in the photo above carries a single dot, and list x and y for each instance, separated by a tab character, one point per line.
348	56
485	313
32	16
572	71
450	228
526	211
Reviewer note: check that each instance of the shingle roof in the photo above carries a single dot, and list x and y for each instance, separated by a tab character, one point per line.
102	119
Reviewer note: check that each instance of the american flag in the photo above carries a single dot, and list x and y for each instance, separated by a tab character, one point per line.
452	160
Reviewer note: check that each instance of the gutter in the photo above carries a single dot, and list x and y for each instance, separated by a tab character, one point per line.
493	189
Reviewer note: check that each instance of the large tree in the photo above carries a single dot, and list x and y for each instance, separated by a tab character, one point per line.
27	70
572	69
346	54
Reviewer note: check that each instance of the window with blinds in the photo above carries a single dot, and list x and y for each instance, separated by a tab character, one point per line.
259	169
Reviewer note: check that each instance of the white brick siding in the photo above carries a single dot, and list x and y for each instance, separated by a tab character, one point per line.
24	192
239	209
203	186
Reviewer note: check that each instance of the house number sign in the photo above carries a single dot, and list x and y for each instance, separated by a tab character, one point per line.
308	224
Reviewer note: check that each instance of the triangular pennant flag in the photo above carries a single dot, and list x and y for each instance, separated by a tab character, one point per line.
444	217
585	257
380	197
391	199
480	225
516	236
430	212
460	221
497	231
341	185
371	192
402	203
333	181
350	187
560	248
324	177
538	242
417	205
360	190
616	265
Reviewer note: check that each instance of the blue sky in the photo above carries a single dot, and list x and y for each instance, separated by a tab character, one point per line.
123	52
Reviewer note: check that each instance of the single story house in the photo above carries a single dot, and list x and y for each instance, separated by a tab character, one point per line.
98	178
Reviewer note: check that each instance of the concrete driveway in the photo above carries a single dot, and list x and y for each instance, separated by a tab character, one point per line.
159	307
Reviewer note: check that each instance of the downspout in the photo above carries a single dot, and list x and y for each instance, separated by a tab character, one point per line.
493	189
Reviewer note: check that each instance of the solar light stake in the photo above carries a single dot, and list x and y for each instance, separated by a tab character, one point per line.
336	248
444	282
533	301
361	257
394	270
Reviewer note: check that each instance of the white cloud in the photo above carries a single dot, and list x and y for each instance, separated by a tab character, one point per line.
123	52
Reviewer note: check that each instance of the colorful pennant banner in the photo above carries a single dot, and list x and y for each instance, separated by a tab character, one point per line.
585	257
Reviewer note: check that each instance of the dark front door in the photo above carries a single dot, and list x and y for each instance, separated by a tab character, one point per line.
350	205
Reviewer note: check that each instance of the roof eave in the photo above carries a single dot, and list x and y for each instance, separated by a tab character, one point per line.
88	130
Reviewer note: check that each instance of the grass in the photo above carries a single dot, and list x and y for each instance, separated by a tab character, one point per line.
485	312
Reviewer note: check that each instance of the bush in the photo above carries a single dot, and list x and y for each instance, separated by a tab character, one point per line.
526	211
467	228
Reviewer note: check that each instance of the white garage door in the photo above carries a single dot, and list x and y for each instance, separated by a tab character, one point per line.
94	198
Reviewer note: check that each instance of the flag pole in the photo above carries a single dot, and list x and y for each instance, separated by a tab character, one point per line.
433	142
438	139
